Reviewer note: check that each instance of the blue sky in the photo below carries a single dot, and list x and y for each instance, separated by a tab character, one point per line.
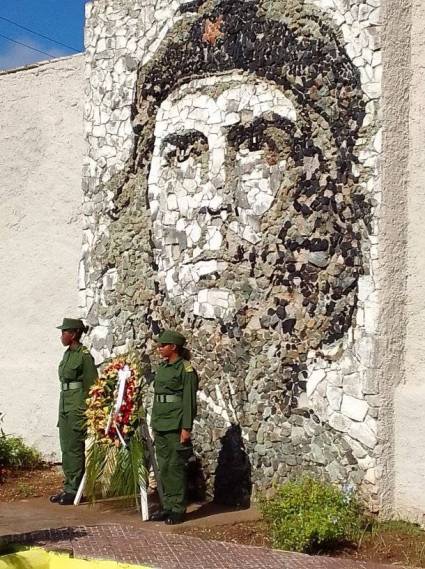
62	20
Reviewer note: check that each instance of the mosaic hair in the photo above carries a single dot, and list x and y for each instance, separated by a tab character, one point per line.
302	54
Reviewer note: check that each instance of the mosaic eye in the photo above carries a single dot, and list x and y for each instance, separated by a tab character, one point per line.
271	134
250	140
176	154
179	147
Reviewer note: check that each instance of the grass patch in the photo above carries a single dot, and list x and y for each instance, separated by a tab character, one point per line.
25	490
396	526
392	541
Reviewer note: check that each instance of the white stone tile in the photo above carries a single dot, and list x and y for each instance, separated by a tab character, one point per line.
339	422
354	408
352	385
334	397
362	433
315	377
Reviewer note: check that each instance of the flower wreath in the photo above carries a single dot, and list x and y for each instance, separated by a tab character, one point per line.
106	422
115	456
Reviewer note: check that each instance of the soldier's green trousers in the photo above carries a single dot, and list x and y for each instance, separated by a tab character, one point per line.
72	434
172	459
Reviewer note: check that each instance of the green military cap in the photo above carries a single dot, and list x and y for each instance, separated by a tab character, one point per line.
72	324
171	337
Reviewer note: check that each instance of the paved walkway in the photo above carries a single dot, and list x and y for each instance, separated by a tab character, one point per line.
172	551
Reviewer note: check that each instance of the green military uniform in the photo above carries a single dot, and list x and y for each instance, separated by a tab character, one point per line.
77	372
174	409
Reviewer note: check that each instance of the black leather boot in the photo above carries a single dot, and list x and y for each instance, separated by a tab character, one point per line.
66	499
159	516
174	518
55	499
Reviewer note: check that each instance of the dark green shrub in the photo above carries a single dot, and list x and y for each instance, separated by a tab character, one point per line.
309	515
14	453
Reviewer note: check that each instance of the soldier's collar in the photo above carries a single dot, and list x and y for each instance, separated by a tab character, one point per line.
179	359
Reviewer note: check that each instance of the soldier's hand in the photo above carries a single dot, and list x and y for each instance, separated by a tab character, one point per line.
185	437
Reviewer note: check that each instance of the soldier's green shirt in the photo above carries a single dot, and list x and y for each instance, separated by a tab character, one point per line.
77	365
178	378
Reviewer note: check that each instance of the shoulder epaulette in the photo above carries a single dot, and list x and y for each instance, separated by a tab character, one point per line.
187	366
85	350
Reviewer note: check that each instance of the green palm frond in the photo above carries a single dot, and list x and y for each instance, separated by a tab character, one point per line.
95	460
138	461
120	483
130	470
115	471
109	467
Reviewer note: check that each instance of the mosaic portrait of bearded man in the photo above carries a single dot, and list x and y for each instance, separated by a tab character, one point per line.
241	217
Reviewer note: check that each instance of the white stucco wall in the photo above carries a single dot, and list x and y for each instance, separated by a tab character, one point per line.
410	394
41	150
389	357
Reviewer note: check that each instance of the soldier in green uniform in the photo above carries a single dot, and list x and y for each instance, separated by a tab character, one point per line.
173	413
77	372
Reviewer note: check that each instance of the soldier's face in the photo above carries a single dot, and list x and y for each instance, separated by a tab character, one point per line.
167	351
67	337
211	183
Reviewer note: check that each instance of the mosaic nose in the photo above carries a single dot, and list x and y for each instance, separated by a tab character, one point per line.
215	188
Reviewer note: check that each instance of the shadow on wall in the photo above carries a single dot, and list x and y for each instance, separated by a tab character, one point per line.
233	486
196	481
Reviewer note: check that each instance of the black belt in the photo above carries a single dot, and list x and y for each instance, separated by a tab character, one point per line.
72	385
167	398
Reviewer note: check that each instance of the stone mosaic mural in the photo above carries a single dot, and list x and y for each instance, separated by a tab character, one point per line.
241	210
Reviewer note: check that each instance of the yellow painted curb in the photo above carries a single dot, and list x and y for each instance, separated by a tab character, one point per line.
31	559
40	559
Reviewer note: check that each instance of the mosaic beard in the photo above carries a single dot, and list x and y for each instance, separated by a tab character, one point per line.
276	289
